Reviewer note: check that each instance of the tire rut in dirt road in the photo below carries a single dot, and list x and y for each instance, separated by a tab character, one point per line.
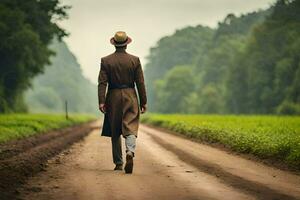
28	156
254	188
13	148
260	190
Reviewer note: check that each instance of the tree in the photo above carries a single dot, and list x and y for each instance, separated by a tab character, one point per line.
270	62
210	100
249	64
26	29
62	81
172	91
181	48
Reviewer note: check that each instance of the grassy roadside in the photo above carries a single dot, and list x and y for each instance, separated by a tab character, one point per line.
15	126
263	136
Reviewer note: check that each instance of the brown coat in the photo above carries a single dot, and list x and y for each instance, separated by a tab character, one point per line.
122	107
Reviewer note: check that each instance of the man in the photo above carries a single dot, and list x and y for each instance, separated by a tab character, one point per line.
121	72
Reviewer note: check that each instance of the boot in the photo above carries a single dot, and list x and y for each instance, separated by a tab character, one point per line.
129	162
118	167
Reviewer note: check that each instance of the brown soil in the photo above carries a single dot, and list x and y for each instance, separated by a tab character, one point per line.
166	167
23	158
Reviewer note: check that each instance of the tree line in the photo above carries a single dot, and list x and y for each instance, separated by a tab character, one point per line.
26	30
62	81
249	64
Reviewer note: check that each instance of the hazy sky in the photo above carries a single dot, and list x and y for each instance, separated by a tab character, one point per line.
92	23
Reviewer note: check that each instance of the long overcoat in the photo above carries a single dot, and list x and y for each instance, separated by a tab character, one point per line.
122	105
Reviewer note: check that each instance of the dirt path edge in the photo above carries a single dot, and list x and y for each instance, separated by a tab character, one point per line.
28	156
271	162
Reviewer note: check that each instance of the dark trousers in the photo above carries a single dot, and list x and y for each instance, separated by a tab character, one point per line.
130	144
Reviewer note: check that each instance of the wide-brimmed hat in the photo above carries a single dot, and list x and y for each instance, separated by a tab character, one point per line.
120	39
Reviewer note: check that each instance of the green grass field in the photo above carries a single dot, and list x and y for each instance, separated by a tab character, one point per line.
15	126
276	137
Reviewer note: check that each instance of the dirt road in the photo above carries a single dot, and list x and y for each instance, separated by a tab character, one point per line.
166	167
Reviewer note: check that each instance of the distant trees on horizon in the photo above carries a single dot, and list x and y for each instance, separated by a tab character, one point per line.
248	65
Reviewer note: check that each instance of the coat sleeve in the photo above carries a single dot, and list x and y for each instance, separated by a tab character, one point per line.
140	83
102	83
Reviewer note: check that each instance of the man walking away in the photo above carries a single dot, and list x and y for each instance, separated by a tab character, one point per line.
121	71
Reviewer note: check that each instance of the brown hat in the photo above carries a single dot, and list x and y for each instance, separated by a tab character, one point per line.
120	39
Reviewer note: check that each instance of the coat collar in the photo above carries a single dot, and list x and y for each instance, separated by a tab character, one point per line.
120	50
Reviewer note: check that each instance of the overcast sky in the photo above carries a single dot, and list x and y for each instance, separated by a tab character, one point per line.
92	23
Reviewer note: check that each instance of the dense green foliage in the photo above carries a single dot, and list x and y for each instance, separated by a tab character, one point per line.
15	126
62	81
271	65
181	48
26	29
264	136
248	64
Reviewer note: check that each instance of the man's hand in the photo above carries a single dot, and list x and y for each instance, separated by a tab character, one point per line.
102	108
143	108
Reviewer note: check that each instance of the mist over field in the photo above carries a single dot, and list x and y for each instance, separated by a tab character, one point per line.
62	82
93	22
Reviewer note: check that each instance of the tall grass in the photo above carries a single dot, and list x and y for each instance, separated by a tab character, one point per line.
16	126
276	137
